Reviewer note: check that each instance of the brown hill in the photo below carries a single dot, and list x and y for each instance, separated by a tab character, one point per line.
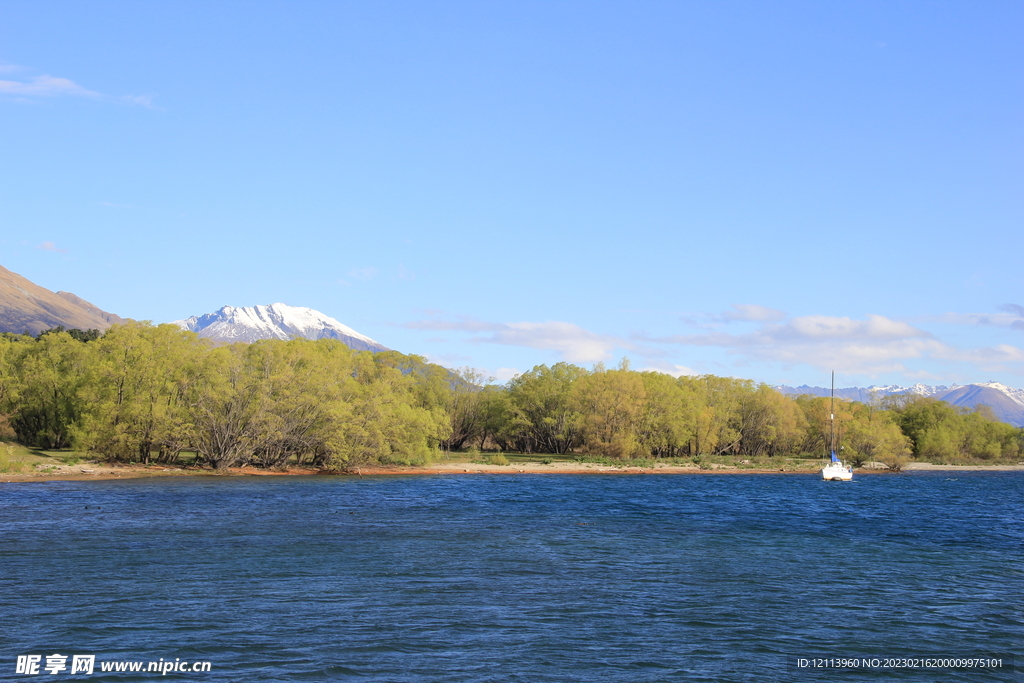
25	306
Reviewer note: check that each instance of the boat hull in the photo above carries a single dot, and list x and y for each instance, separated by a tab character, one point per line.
836	472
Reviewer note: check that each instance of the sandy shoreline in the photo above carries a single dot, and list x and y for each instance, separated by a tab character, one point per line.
94	472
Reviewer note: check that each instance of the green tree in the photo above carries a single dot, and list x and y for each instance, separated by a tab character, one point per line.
389	423
544	414
49	375
668	423
873	435
303	403
133	393
226	406
612	404
820	428
768	422
716	413
465	404
12	347
497	420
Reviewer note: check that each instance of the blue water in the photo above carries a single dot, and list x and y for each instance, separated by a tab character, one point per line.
516	578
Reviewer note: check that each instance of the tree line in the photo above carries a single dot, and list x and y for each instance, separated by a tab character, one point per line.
621	413
145	393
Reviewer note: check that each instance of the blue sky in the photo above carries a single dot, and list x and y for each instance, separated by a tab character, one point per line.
766	190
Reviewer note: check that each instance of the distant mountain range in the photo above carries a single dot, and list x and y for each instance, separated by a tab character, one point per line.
27	307
276	321
1006	402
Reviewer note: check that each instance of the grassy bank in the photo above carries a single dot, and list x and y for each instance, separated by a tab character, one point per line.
18	459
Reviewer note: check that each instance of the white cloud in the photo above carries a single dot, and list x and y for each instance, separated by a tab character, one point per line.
1010	318
363	273
141	100
572	342
998	358
50	246
871	346
850	356
669	369
449	360
503	375
805	329
752	313
463	324
45	86
1016	312
827	327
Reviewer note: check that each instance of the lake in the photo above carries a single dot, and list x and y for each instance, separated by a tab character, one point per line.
533	578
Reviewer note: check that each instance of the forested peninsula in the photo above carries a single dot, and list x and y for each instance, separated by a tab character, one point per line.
141	393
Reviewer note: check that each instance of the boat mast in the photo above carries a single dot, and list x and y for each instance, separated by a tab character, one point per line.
832	419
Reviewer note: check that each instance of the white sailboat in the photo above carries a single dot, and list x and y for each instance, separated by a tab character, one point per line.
835	470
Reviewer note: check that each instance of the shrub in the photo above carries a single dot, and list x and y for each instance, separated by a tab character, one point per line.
9	461
896	462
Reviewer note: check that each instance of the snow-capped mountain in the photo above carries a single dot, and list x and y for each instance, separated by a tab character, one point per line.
276	321
1016	394
919	389
1006	402
862	394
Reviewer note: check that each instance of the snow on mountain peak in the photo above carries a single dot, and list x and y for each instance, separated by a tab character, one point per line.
1016	394
275	321
918	389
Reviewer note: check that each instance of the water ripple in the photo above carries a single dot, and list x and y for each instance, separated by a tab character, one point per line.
555	578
